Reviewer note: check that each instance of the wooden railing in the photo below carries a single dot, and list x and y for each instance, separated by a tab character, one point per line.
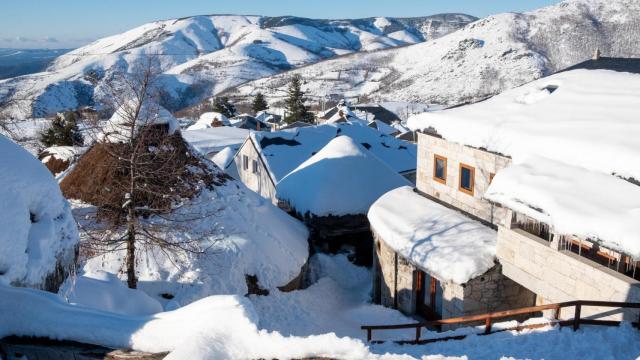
489	318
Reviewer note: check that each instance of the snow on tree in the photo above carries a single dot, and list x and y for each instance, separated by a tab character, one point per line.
224	107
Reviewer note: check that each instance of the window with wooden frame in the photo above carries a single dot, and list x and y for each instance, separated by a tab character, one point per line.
466	179
440	169
254	165
245	162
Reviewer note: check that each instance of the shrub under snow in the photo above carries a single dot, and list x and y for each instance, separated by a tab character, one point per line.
38	235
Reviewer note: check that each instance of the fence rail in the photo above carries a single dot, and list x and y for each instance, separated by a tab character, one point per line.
489	318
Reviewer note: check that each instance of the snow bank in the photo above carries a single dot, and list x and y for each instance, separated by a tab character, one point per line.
206	120
211	140
283	151
217	327
343	178
104	291
443	242
311	311
241	234
589	119
573	200
37	231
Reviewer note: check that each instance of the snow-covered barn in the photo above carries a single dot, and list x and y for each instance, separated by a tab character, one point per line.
332	192
557	176
266	158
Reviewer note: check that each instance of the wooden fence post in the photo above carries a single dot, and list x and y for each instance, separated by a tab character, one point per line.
556	313
576	317
369	335
418	334
487	325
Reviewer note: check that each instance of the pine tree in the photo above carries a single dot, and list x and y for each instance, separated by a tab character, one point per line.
259	103
296	110
224	107
63	131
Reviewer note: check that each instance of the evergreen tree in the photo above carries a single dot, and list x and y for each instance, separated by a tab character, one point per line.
224	107
296	110
63	131
259	103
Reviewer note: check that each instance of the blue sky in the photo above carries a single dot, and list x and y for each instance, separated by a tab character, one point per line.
72	23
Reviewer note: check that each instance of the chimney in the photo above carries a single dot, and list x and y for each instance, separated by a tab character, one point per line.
596	54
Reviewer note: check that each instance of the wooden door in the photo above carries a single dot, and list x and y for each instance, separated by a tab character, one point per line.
428	296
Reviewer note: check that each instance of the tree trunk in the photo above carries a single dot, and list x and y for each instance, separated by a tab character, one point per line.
132	281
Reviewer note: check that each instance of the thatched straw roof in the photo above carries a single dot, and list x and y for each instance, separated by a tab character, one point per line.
170	171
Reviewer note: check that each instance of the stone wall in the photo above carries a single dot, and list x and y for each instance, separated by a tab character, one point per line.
484	162
559	275
260	182
489	292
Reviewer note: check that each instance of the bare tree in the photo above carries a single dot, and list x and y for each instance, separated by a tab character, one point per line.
141	175
12	101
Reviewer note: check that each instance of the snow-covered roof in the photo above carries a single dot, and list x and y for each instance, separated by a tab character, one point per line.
383	127
441	241
588	118
573	200
64	153
149	114
343	178
283	151
37	228
215	139
205	121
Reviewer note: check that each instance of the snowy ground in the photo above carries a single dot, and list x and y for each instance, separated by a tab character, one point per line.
322	320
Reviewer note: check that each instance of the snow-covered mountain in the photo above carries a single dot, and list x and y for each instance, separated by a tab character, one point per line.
482	59
203	55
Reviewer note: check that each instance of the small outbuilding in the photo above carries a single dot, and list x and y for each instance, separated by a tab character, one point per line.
435	262
332	192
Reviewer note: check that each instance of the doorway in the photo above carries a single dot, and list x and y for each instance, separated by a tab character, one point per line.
428	296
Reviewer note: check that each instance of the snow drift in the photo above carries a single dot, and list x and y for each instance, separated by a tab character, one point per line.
38	235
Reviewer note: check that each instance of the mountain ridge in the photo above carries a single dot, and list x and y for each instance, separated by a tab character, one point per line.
203	55
482	59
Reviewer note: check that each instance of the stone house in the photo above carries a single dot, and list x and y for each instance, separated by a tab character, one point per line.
434	246
563	262
550	172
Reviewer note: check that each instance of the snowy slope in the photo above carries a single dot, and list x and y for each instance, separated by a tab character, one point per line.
226	327
240	234
482	59
203	55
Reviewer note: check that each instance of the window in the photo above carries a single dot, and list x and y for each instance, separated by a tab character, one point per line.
254	166
440	169
245	162
466	181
